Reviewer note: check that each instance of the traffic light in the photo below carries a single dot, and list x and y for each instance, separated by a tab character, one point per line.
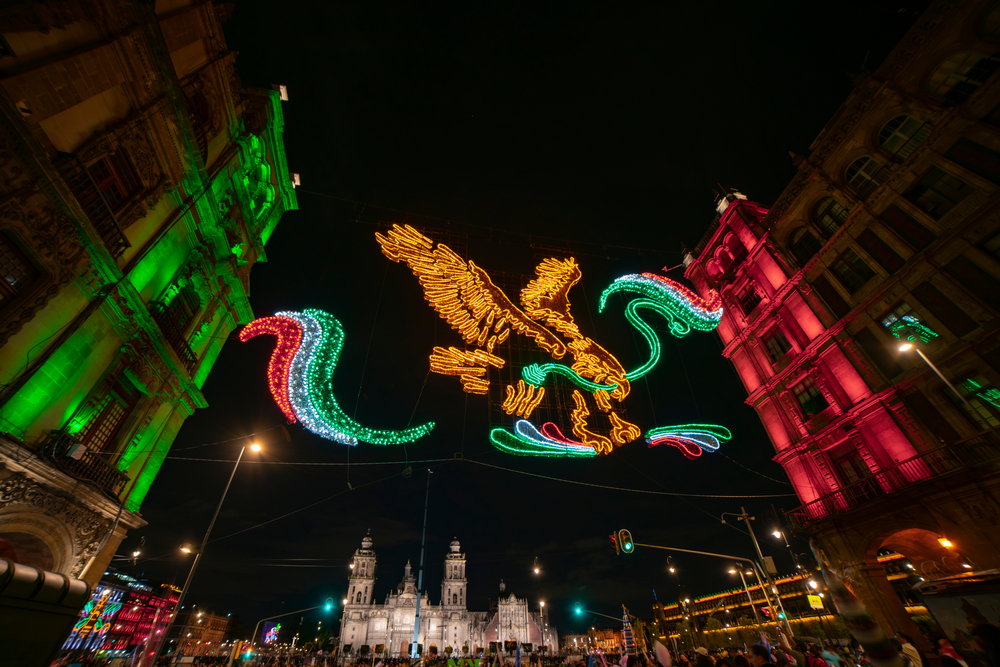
781	614
614	538
579	610
625	541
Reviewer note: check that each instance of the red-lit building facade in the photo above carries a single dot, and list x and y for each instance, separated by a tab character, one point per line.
895	213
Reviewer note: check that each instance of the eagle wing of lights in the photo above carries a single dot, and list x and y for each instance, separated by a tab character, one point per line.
300	377
464	296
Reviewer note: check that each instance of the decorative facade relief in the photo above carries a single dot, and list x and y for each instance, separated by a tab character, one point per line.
87	526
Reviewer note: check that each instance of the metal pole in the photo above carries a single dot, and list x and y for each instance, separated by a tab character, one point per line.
750	598
420	572
945	380
767	575
197	559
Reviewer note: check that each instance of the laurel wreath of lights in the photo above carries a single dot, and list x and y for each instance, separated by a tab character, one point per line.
300	377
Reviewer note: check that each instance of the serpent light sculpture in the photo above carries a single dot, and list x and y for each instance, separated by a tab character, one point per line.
300	377
467	299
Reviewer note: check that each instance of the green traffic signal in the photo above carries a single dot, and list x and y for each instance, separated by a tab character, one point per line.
579	611
625	539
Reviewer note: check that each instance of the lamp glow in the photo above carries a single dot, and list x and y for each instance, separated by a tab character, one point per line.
904	347
255	447
945	542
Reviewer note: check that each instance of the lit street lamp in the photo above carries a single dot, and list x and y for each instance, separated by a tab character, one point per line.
187	548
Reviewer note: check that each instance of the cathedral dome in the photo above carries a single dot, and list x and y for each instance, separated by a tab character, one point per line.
366	543
455	546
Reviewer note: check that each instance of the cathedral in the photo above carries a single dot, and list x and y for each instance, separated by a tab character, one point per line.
387	629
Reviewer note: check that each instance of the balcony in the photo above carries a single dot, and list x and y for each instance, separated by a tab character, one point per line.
89	466
965	455
93	203
174	335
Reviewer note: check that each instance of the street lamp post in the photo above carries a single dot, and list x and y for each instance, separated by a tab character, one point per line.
743	516
753	608
197	557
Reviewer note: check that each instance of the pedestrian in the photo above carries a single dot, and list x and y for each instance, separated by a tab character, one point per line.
759	657
988	638
702	658
945	649
911	651
832	658
741	660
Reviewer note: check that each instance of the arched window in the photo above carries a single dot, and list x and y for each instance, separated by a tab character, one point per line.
961	75
804	245
829	215
454	598
901	136
359	598
865	174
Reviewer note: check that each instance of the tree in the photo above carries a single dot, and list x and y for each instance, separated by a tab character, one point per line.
447	651
465	649
363	650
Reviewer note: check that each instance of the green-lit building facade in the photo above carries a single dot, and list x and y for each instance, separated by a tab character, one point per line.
139	182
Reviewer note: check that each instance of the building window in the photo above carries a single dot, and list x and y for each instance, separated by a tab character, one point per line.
776	344
983	399
864	175
975	279
115	177
896	314
944	308
977	158
881	251
906	227
804	245
110	414
15	270
829	215
958	77
748	298
938	192
852	271
848	463
810	398
901	136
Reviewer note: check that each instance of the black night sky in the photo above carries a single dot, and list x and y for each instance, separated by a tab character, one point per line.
596	122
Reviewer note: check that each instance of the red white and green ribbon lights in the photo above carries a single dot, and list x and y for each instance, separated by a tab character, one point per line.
300	377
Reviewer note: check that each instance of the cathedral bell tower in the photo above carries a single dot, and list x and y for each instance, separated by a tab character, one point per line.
454	585
361	583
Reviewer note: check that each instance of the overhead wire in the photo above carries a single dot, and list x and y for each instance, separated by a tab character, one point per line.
619	488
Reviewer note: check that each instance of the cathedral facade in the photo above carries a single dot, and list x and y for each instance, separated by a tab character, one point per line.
387	628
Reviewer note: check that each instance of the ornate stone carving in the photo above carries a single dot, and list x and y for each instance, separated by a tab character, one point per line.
88	527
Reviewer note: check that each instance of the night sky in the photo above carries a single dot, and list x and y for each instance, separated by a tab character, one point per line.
597	123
